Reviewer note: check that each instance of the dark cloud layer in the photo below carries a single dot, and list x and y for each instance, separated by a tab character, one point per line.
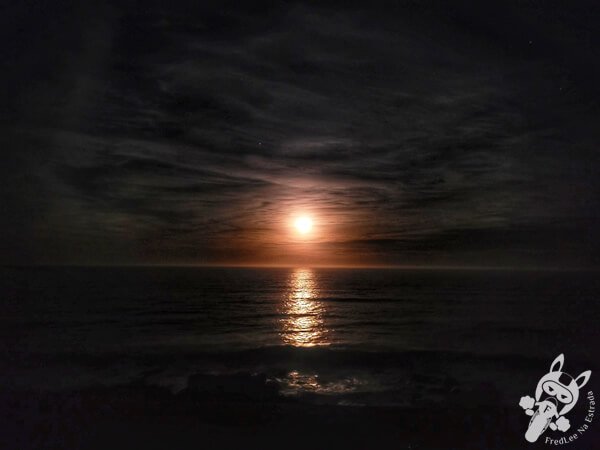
414	132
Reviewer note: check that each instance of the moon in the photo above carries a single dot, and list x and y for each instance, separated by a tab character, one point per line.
303	224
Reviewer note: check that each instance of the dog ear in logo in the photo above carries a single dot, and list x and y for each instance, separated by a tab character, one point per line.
559	361
584	376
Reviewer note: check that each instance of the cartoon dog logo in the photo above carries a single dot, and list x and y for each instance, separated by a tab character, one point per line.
556	394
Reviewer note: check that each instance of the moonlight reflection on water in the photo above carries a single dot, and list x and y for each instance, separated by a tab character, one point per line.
302	323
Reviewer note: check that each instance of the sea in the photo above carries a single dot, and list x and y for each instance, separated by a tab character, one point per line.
390	337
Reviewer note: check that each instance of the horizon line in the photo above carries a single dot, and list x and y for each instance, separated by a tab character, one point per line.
319	266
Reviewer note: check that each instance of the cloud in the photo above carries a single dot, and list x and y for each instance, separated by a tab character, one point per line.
191	132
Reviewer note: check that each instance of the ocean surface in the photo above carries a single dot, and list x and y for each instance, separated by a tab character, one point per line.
355	337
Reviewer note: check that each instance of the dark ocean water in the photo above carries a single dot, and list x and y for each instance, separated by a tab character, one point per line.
397	337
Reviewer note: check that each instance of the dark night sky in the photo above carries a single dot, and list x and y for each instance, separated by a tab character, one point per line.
429	133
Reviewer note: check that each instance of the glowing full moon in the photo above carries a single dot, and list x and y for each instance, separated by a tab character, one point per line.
303	224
